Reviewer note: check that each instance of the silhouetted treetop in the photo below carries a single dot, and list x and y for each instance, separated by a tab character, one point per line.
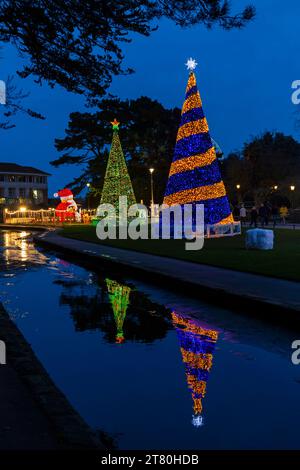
77	44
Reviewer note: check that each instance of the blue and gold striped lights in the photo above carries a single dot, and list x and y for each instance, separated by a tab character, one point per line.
195	176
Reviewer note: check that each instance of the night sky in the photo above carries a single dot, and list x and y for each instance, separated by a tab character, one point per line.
244	77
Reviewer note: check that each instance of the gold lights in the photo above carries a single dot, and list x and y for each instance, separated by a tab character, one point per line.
201	193
198	361
193	101
195	161
192	128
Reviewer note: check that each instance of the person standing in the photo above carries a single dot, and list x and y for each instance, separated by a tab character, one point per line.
253	217
263	215
274	212
243	214
283	212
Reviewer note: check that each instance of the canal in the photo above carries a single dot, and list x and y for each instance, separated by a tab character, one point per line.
153	369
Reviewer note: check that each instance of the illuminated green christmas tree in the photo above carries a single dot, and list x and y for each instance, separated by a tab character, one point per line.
117	180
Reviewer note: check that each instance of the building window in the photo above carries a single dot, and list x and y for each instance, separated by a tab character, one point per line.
22	179
40	179
11	192
2	177
11	178
22	192
38	196
30	179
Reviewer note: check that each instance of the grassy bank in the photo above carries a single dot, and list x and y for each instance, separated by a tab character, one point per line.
282	262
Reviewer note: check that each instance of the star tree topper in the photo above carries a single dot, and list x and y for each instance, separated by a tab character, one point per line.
115	124
191	64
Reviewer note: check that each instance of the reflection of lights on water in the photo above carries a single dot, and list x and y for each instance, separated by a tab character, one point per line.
24	250
16	247
197	344
24	234
197	421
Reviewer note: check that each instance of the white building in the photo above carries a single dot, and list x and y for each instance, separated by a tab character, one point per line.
23	185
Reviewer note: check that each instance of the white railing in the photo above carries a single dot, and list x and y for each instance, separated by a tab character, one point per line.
39	217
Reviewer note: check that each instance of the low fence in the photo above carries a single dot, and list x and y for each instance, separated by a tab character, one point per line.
39	217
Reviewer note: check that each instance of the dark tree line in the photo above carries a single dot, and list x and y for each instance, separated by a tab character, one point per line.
77	44
265	167
147	132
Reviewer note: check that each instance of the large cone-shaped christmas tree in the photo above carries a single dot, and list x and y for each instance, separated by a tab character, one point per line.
117	180
197	345
195	176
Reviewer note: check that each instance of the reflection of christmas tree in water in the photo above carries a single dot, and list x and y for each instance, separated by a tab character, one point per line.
119	298
197	345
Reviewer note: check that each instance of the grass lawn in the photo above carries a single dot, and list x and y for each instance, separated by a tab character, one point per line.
227	252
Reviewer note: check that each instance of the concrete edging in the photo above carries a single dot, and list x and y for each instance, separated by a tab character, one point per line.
69	428
255	305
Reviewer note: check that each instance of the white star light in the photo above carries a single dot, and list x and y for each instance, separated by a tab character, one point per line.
197	421
191	64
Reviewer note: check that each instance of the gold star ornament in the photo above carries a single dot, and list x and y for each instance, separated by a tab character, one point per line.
115	124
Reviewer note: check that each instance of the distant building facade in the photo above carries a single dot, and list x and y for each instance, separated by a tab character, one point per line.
23	185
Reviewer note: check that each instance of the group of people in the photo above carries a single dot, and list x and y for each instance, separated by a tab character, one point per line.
263	214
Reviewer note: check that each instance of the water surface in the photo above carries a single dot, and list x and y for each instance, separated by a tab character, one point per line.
154	369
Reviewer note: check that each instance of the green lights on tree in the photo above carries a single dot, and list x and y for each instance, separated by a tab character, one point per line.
119	299
117	180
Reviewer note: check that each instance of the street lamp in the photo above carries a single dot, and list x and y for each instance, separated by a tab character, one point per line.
275	187
151	179
292	188
239	197
88	185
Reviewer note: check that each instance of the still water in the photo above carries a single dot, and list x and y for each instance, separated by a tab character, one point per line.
153	369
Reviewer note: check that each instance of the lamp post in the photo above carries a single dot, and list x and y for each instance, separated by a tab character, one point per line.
151	170
238	187
88	185
292	188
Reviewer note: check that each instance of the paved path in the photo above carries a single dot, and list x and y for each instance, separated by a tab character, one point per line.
272	291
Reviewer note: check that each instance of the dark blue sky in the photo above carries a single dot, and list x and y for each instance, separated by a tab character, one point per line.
244	78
